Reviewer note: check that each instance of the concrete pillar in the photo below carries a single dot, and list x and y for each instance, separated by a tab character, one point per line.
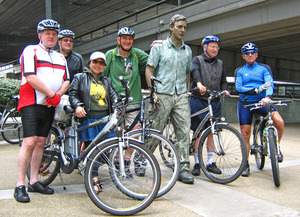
57	10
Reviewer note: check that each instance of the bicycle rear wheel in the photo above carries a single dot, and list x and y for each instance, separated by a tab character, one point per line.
50	165
274	156
121	195
259	147
231	159
166	155
12	128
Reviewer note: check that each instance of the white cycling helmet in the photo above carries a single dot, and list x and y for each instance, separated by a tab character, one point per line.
48	24
66	33
126	31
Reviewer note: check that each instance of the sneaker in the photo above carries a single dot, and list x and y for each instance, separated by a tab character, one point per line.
39	187
246	171
280	157
139	167
212	168
127	169
196	170
21	195
185	177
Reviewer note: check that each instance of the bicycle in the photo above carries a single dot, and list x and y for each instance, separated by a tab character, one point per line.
229	147
265	136
166	153
120	195
10	122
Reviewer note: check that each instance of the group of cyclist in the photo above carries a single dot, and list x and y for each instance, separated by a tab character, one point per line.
47	75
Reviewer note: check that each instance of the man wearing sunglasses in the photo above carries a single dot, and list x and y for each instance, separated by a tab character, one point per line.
74	60
255	81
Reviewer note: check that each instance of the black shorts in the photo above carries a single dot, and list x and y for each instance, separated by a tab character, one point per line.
37	120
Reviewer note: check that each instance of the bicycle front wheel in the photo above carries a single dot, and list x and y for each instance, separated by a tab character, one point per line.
229	157
166	155
12	128
121	195
274	156
259	147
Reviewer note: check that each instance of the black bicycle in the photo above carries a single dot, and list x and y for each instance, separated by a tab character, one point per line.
265	136
10	122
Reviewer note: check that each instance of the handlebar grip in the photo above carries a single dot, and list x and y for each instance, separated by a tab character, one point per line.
244	101
123	82
152	78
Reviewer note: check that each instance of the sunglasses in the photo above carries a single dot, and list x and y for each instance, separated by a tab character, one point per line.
67	40
102	63
250	52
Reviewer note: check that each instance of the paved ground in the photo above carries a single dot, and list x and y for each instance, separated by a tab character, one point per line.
252	196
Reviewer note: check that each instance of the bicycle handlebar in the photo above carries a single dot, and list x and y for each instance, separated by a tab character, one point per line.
273	102
213	94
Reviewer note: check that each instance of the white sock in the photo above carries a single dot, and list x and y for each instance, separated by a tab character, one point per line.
210	157
196	158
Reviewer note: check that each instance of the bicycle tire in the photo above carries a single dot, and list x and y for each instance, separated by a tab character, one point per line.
259	147
121	196
167	157
274	156
169	132
12	128
49	168
232	161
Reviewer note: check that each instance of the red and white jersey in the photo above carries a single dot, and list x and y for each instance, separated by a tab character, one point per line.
48	65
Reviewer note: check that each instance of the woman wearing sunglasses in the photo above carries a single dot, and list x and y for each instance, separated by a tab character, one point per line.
91	95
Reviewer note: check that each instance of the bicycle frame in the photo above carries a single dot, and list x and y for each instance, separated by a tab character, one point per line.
269	124
209	116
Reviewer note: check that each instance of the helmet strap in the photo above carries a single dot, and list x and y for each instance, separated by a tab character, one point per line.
209	56
47	48
124	49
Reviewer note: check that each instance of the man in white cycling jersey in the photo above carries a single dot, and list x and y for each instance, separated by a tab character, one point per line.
44	79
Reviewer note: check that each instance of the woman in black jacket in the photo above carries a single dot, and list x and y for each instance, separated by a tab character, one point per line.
91	95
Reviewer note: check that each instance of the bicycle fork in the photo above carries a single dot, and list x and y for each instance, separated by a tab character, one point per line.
276	137
121	147
218	143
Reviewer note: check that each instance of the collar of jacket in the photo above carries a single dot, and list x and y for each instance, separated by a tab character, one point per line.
208	59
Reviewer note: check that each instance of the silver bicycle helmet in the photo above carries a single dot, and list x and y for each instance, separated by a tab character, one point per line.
66	33
249	47
209	39
126	31
48	24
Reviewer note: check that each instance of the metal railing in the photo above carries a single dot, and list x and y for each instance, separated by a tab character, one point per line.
280	89
141	15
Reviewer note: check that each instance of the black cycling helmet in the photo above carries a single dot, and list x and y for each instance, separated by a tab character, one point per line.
126	31
249	47
210	38
48	24
66	33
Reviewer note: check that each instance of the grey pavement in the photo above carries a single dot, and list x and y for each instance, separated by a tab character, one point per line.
250	196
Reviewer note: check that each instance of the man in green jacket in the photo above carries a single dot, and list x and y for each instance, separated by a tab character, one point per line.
116	62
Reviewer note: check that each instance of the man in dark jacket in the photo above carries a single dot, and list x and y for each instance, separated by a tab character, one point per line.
207	74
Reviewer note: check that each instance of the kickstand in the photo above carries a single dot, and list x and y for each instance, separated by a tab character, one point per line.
61	179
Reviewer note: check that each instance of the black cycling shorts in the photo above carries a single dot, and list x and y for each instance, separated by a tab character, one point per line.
37	120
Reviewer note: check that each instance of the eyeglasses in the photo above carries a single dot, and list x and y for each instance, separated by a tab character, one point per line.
68	40
214	47
102	63
250	52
